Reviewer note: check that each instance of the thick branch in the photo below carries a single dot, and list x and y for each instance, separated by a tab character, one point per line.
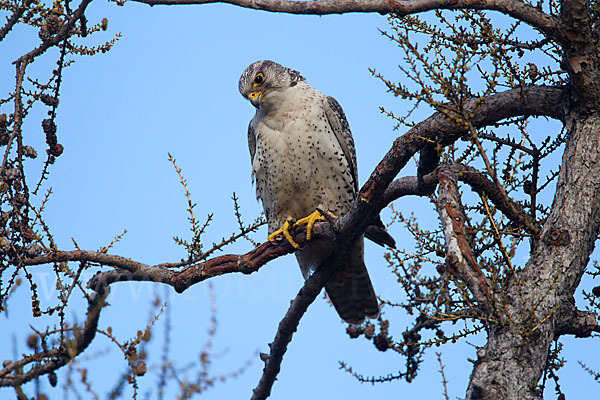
130	270
517	9
572	321
460	261
532	101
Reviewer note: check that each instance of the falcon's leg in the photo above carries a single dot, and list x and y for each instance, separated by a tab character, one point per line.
285	229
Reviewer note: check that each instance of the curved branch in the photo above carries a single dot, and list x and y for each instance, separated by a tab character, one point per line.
410	186
531	101
130	270
424	186
83	255
515	8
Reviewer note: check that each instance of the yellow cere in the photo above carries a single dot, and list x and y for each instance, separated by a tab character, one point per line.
255	94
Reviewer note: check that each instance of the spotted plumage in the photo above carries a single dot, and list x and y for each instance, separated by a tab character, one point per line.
303	158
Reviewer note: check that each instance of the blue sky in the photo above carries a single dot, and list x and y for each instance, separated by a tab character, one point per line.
170	85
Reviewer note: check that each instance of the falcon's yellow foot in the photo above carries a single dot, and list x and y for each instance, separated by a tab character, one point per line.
310	221
285	230
289	223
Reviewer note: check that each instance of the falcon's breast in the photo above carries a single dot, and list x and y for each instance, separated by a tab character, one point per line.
299	163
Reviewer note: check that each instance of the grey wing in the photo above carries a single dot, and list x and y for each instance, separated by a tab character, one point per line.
341	129
251	142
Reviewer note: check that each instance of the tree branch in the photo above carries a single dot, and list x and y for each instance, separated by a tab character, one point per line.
14	18
58	356
130	270
410	186
288	325
517	9
530	101
460	261
572	321
483	186
424	186
65	32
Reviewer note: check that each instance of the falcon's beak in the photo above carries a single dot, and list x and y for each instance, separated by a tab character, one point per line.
256	97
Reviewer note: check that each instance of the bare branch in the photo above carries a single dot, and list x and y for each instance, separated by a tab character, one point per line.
483	186
57	357
14	19
410	186
517	9
65	32
288	325
460	261
18	115
130	270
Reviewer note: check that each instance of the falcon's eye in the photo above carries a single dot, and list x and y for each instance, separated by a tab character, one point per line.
258	79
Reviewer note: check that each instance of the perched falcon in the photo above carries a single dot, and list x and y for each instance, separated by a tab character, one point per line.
303	158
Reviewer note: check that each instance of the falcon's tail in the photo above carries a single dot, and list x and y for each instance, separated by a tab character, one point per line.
377	233
350	289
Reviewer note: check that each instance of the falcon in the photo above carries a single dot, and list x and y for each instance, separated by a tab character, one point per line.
304	160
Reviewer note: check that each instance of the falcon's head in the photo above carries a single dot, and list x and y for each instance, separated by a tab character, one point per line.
266	78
